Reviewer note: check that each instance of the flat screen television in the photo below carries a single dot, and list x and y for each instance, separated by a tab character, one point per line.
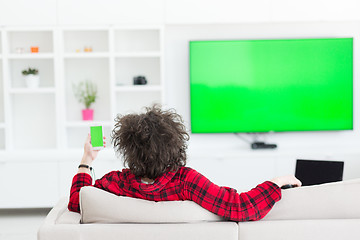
271	85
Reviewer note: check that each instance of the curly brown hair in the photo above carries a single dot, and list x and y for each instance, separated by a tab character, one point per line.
151	143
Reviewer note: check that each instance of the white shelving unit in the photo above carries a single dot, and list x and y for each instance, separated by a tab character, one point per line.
134	57
49	117
42	128
117	56
30	113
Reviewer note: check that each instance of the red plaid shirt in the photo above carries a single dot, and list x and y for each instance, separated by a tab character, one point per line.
185	184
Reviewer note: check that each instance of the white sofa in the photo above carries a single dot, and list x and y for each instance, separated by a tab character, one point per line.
327	211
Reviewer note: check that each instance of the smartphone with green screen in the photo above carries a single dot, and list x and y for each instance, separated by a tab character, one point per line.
96	134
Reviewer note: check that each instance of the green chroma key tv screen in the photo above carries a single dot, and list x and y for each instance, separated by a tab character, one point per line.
271	85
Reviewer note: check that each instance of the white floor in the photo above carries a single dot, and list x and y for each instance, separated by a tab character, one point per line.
21	224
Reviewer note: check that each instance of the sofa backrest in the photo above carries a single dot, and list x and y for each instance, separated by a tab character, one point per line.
338	200
99	206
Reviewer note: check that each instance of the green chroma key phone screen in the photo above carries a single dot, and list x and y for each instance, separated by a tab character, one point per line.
271	85
96	136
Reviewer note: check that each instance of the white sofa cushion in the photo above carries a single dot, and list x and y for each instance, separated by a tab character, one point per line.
339	200
99	206
317	229
57	226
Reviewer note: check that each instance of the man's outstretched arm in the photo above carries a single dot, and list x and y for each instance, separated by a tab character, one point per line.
227	203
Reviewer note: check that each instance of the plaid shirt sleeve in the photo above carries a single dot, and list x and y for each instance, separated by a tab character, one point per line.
226	202
80	180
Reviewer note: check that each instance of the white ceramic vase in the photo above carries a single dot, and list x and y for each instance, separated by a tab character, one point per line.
32	81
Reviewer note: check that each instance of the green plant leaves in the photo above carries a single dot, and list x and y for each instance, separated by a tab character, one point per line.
30	71
85	92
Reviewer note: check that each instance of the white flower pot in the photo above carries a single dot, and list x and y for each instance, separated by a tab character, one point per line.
32	81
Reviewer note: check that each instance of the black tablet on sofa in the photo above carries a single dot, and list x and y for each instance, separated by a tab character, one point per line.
312	172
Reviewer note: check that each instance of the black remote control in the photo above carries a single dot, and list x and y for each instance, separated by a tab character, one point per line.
287	186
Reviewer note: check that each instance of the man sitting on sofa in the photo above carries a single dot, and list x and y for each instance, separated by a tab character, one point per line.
153	145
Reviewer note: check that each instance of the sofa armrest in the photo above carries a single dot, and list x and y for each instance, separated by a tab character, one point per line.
59	223
337	200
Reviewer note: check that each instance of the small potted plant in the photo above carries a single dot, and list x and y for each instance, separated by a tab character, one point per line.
86	93
32	78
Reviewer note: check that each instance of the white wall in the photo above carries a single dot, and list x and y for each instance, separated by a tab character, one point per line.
49	12
241	11
68	12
